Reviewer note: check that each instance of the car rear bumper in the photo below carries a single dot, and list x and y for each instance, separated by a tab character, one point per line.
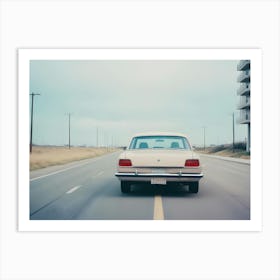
170	177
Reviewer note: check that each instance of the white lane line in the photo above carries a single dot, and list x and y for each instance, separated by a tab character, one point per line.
158	208
73	189
62	170
100	173
59	171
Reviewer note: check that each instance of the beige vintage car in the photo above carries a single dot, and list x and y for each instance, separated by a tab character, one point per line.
159	159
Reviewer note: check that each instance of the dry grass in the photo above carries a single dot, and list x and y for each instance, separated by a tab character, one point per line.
47	156
226	153
236	154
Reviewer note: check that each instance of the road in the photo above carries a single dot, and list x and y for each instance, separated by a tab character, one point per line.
89	190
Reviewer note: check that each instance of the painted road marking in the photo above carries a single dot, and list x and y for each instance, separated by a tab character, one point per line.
98	174
73	189
59	171
158	208
52	201
65	169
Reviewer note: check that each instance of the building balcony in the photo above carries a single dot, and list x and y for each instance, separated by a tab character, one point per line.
244	89
243	103
244	117
244	77
243	65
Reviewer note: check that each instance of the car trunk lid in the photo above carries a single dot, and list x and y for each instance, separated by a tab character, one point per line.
158	158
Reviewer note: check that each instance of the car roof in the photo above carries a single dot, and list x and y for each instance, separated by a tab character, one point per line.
160	134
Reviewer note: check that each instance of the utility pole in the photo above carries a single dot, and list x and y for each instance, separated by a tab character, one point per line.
204	135
105	140
31	126
69	132
97	137
233	132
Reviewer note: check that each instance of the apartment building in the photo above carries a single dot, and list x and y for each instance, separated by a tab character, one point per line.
244	93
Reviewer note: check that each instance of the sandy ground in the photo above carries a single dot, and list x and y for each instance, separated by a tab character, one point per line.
47	156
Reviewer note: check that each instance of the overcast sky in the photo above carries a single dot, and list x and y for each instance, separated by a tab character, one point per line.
120	98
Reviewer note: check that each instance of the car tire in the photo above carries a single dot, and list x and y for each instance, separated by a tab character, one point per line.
193	187
125	187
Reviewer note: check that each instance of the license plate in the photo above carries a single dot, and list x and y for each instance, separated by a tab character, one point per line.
158	181
158	171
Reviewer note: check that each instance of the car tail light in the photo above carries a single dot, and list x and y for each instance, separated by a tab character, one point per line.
192	162
125	162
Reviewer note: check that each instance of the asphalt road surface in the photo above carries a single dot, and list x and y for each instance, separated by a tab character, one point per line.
88	190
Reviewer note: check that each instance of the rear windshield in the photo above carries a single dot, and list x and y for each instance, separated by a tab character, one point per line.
159	142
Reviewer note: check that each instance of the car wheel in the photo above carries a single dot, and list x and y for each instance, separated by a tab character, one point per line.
125	187
193	187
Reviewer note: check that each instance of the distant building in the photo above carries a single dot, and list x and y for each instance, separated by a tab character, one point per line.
244	92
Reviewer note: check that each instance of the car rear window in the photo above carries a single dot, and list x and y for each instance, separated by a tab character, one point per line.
159	142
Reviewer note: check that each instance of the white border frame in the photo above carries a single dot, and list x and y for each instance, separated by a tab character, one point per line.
24	57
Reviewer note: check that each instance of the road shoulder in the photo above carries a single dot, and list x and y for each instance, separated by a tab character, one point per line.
60	168
238	160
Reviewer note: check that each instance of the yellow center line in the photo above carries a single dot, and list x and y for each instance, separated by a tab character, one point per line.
158	208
